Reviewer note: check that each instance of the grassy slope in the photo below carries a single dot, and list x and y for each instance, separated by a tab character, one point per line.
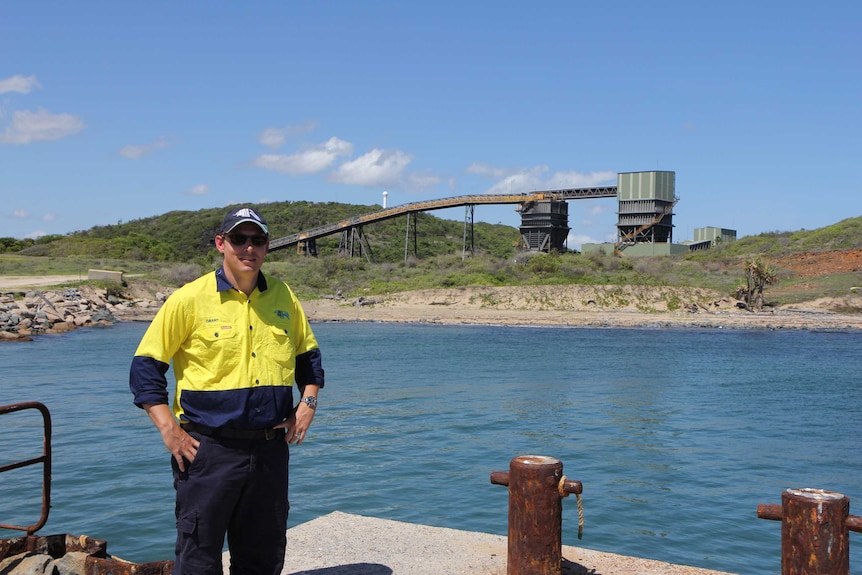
175	247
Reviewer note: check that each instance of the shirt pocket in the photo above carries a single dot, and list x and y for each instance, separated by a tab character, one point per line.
216	349
279	348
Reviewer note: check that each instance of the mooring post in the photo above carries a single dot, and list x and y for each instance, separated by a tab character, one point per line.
814	531
536	488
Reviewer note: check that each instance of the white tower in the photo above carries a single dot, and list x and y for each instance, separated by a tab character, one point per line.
385	193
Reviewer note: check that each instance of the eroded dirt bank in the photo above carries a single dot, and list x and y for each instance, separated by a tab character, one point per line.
587	306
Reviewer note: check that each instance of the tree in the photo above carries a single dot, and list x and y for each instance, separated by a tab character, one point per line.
758	275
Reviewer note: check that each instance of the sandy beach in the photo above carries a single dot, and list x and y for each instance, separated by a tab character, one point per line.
585	306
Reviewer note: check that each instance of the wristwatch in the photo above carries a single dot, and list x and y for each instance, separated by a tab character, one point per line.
310	401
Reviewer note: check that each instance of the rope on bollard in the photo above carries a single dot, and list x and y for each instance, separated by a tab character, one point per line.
580	517
561	487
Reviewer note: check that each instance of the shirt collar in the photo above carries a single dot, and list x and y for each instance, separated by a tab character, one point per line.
223	284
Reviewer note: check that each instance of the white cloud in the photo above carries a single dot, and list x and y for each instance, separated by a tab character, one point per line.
523	180
486	170
575	241
309	161
49	218
19	84
564	180
132	152
199	190
27	127
274	138
416	182
20	214
36	235
376	168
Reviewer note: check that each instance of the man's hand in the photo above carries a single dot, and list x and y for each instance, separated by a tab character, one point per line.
296	426
182	446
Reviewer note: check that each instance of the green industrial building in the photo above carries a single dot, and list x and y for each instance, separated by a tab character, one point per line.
645	219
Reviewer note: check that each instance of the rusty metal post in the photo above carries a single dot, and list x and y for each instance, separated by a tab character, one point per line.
44	459
536	488
96	562
100	566
814	531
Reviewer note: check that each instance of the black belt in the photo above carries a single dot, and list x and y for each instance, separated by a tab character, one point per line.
229	433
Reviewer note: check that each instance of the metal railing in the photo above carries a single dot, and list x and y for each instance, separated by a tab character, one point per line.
44	459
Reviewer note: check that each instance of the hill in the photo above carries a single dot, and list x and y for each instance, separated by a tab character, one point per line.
187	236
846	234
174	247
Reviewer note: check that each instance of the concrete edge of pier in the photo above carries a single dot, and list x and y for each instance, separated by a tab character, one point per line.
347	544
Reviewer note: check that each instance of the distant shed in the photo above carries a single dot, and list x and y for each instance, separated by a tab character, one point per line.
106	276
714	235
709	237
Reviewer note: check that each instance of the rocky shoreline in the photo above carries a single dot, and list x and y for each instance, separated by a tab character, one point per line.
29	312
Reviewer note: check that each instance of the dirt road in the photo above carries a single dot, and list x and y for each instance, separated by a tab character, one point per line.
19	282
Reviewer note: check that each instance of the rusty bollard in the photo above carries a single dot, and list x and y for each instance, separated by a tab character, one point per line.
814	531
536	488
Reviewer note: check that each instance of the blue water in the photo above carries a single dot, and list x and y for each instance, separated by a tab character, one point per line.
677	435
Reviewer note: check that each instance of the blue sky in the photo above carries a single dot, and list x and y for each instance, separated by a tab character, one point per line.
113	111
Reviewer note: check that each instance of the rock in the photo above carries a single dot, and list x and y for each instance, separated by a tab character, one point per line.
9	564
32	565
52	312
61	327
103	315
73	563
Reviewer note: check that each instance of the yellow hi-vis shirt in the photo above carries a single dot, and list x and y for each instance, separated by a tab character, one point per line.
234	356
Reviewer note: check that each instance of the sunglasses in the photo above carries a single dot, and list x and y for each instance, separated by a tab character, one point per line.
240	240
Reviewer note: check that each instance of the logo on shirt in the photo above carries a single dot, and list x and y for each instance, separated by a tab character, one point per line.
282	314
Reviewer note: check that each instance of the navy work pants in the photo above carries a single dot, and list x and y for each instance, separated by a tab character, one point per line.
236	487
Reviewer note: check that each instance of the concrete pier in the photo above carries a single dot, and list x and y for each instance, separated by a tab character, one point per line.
346	544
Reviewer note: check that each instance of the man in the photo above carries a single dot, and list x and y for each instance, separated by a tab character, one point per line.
238	340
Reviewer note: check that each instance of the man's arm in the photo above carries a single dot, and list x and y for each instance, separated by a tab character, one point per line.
309	379
148	383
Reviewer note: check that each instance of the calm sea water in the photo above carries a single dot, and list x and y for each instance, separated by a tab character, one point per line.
677	435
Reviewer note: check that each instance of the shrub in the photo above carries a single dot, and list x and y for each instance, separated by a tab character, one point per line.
179	274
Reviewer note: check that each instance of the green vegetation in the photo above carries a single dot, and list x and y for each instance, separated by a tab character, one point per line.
796	290
845	234
758	275
184	236
177	246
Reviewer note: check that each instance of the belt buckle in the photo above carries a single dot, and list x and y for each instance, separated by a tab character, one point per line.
269	434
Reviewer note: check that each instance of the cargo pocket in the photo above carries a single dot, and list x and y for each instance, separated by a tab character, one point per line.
188	523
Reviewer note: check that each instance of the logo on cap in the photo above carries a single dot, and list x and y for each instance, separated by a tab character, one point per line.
246	213
241	215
